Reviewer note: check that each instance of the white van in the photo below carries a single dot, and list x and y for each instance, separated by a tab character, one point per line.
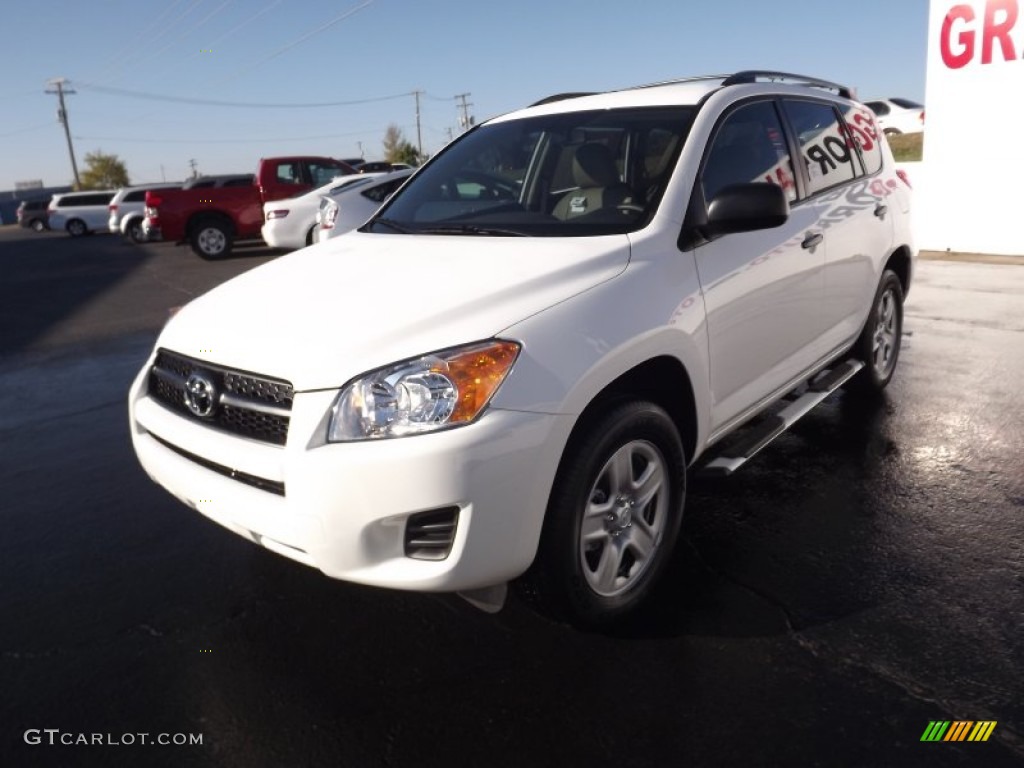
80	212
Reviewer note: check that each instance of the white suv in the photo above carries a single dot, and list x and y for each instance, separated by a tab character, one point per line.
507	372
80	212
127	209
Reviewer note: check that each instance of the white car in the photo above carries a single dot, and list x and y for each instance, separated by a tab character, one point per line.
291	222
80	212
896	115
344	209
127	209
507	372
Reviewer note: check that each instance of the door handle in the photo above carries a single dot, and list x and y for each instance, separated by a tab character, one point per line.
881	210
812	240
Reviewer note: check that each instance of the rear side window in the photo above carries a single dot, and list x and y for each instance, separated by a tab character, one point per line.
321	172
864	132
78	201
880	108
748	147
288	173
381	192
135	197
243	182
827	151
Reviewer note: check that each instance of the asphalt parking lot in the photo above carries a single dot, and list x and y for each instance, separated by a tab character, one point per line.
858	580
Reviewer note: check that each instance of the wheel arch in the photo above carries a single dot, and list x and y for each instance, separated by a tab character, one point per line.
900	262
197	218
662	380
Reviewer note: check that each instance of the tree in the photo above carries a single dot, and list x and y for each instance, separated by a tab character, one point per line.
103	171
399	150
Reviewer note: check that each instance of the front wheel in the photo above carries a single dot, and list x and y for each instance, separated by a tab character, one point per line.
211	239
613	516
76	228
879	343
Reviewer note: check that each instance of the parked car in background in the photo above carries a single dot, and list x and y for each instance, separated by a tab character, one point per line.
212	219
291	222
898	115
80	213
345	208
127	209
33	214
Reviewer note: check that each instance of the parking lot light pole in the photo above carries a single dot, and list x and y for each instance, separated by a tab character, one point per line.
62	117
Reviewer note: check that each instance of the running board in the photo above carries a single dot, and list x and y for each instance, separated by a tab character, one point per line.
736	454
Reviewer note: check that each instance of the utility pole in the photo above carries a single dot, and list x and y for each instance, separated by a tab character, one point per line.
419	133
62	118
192	164
465	121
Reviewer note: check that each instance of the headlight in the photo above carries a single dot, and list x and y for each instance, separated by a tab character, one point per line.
437	391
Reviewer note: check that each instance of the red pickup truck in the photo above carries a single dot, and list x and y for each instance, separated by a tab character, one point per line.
211	219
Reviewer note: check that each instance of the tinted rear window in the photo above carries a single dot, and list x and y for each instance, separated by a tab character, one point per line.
78	201
907	104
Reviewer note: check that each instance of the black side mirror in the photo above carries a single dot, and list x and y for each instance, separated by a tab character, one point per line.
745	208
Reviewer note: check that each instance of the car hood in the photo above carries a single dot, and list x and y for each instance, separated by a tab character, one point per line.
329	312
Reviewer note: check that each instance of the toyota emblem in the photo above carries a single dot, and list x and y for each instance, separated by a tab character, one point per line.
200	395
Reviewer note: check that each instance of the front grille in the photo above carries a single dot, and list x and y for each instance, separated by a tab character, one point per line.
244	404
430	535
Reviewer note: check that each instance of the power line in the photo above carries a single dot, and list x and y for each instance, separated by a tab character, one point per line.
242	104
62	116
312	33
132	140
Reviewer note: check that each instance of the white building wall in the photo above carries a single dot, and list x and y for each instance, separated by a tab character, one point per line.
970	185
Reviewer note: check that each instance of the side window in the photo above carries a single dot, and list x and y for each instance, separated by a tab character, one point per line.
289	173
135	197
749	146
824	144
381	192
242	182
880	108
321	173
864	131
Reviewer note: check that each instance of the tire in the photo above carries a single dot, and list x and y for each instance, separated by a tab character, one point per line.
310	235
892	132
879	343
211	239
38	225
76	228
134	231
613	517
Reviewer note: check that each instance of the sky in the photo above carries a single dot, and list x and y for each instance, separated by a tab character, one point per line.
226	82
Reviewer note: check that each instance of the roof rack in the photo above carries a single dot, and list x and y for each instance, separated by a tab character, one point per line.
562	97
754	75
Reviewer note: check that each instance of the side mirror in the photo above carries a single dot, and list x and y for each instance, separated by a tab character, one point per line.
745	208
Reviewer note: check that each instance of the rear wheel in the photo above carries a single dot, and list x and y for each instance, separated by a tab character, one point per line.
613	517
134	231
76	228
211	239
879	343
38	225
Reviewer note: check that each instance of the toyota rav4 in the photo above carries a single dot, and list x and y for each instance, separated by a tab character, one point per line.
507	372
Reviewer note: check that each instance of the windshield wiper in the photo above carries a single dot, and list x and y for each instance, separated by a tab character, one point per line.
470	229
392	224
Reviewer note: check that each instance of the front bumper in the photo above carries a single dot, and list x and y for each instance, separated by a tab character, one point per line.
343	507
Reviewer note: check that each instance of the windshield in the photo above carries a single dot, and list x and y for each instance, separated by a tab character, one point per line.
564	175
